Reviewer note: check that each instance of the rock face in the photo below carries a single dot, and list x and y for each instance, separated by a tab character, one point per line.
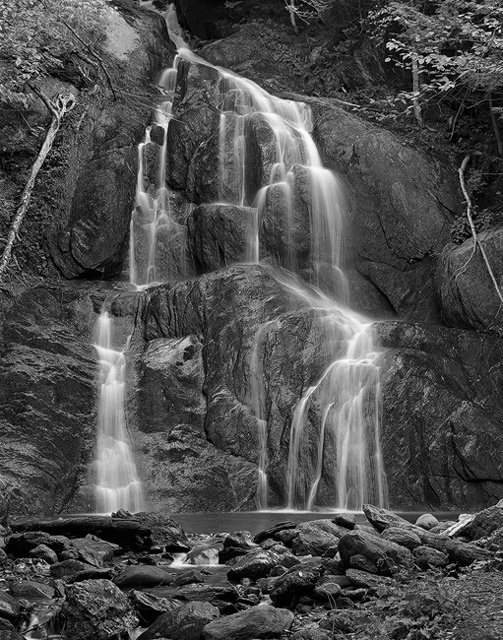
47	399
441	418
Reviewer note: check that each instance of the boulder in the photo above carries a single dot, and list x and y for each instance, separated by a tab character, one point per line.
427	521
296	582
428	558
184	623
68	568
94	551
317	538
401	536
483	524
387	557
253	565
9	607
31	590
45	553
142	575
97	609
258	622
234	545
149	607
467	295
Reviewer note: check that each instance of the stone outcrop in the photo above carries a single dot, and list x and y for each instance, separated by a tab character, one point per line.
47	399
467	294
89	235
441	416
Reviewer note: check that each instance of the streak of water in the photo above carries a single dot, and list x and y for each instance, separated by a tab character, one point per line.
117	483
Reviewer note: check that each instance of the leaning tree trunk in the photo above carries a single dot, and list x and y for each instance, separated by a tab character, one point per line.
58	108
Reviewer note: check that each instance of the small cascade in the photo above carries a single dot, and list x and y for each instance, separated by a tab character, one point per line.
117	485
157	239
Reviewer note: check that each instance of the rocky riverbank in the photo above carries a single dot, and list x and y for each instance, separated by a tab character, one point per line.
101	577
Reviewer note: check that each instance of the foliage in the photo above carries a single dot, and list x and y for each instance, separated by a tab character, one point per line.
454	45
415	607
307	9
35	41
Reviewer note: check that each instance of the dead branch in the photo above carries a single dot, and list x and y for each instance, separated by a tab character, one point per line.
58	107
469	208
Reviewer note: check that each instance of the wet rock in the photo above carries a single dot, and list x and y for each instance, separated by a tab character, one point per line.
165	531
68	568
427	521
219	596
258	622
296	582
94	551
253	565
347	520
142	575
184	623
170	382
190	576
386	556
312	634
218	235
403	537
273	531
149	606
327	589
318	537
396	220
9	607
92	574
483	524
97	609
20	544
428	558
234	545
31	590
45	553
366	580
8	634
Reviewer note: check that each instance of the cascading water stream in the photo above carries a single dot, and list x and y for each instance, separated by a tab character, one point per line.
292	191
117	483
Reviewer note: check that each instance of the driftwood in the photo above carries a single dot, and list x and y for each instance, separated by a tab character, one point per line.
129	534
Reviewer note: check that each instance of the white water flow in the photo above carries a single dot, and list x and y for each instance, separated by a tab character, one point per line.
157	239
117	483
297	223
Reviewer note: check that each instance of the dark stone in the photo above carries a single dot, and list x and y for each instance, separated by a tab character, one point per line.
92	574
318	537
217	235
347	520
253	565
149	606
96	609
142	575
258	622
31	590
484	524
184	623
296	582
401	536
273	531
9	607
68	568
94	551
428	558
386	556
467	295
190	576
45	553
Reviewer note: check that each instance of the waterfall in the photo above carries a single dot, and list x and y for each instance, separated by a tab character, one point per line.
117	483
298	210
